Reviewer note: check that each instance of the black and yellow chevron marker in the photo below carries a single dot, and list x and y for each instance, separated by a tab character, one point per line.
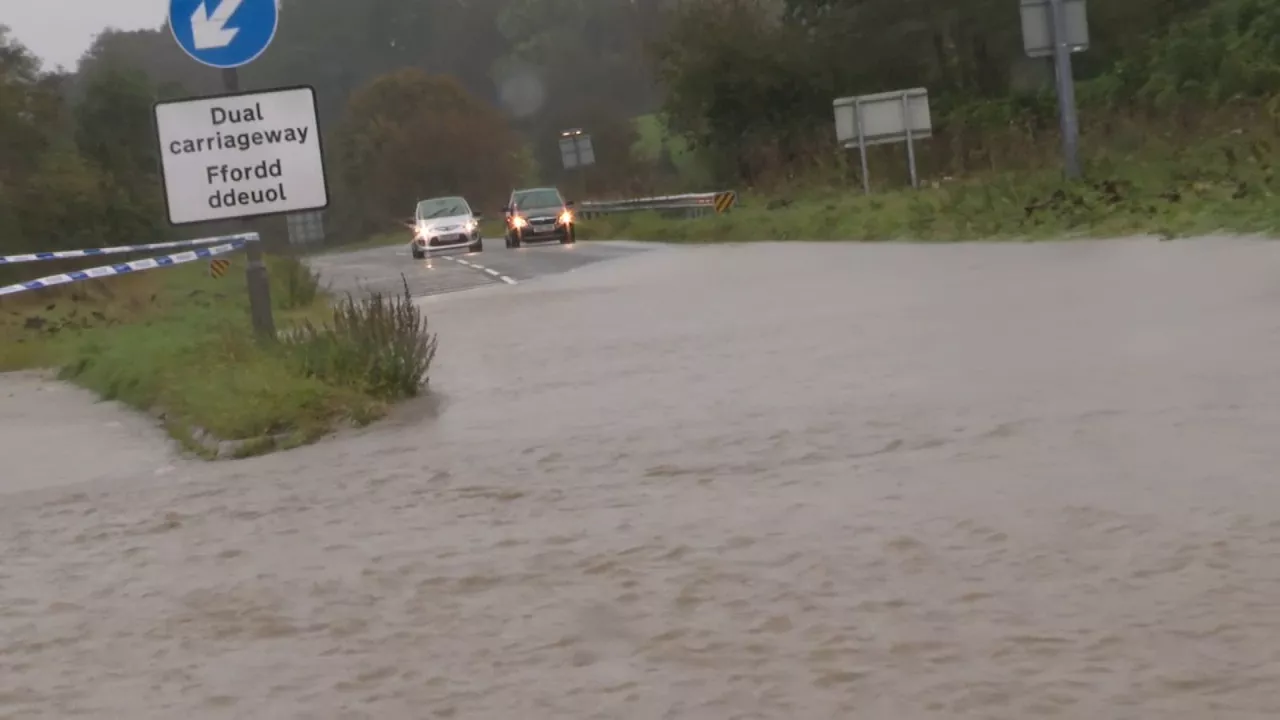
725	200
219	266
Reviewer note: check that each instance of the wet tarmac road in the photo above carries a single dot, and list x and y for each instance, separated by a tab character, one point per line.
791	481
380	269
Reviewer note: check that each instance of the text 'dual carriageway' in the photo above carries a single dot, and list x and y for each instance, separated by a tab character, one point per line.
240	156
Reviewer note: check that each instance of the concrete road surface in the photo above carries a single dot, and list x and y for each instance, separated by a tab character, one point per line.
380	269
778	482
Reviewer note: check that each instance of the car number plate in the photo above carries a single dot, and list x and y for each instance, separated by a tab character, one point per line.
542	228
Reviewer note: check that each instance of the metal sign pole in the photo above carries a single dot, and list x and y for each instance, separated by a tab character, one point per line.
227	35
911	145
255	272
1066	88
862	146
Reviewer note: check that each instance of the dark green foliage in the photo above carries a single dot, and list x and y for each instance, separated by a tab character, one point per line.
74	175
294	284
749	80
407	136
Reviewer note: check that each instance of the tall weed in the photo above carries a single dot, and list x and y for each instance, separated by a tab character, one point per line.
296	284
379	345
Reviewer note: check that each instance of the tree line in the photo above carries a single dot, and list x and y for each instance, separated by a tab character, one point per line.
74	173
752	81
426	96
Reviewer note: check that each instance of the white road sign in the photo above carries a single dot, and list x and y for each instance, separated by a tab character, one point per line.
240	156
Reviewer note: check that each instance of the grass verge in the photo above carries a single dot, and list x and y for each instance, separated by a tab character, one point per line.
179	342
1226	183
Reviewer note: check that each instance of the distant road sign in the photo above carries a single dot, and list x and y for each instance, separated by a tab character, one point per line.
223	33
1038	32
306	228
576	149
241	156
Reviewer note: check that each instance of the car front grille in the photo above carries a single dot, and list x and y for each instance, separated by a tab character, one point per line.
450	239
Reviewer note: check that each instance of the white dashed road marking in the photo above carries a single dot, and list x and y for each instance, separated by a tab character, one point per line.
487	271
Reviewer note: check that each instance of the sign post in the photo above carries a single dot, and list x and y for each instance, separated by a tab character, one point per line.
884	118
576	151
1058	28
246	173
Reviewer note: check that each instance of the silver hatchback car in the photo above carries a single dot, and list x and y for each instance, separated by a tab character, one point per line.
445	223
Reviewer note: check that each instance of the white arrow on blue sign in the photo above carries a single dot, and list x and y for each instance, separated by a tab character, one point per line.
223	33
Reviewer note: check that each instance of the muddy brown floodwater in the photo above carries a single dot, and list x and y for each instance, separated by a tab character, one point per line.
778	481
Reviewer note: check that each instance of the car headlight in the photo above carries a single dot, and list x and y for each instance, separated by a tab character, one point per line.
519	222
422	230
472	225
566	217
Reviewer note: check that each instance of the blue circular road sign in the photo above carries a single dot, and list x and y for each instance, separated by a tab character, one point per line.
223	33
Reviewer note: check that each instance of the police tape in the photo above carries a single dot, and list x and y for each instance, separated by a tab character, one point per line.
122	249
125	268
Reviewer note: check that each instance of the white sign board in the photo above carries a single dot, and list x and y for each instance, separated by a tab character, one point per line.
577	151
1037	27
242	155
889	117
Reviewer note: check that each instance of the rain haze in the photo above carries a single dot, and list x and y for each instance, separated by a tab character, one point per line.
549	359
59	31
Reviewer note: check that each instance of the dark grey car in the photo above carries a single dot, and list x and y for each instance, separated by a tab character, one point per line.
538	215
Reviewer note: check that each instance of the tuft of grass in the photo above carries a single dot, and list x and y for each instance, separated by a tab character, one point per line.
297	285
380	346
180	342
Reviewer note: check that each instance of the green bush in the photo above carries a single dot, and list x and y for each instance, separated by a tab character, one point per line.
295	285
380	345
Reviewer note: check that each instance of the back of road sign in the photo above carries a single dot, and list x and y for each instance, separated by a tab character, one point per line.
223	33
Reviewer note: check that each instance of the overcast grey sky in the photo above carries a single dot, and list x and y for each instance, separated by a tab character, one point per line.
60	30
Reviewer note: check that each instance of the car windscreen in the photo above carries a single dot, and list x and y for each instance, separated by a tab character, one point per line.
442	207
539	199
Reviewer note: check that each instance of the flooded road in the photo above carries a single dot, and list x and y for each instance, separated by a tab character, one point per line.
390	269
776	481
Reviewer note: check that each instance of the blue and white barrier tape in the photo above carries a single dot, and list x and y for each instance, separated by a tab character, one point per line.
122	249
123	268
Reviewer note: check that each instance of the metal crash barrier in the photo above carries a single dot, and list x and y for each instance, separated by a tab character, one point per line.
689	205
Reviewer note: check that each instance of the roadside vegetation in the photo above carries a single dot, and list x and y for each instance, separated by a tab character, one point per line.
1177	101
77	171
1218	176
178	343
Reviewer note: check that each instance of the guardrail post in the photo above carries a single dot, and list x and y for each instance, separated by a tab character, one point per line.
255	273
